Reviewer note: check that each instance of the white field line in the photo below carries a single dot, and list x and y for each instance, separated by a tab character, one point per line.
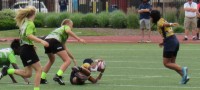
149	86
125	68
123	85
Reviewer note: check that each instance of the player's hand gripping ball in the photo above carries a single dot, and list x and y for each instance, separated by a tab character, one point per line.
101	65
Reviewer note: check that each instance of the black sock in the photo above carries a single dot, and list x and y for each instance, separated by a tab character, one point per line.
197	35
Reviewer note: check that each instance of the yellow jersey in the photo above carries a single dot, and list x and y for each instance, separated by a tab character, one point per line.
164	31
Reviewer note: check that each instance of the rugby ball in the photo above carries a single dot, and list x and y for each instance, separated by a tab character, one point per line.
101	65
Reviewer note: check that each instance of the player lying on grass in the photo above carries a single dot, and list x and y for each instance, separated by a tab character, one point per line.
7	58
57	45
170	43
81	74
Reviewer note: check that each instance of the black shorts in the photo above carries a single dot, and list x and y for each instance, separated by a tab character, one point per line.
54	46
79	81
198	23
28	55
171	47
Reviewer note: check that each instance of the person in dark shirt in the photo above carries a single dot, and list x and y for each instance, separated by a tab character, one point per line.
63	5
144	11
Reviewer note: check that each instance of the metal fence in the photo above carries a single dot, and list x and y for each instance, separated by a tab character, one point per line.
86	6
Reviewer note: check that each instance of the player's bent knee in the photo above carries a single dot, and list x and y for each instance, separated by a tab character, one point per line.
28	75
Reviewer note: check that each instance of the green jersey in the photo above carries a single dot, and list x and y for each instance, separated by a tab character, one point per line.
59	34
27	28
7	56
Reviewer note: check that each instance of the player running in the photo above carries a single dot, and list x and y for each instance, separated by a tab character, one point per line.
170	43
57	45
30	60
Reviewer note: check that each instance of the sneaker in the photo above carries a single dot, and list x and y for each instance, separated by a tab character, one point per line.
148	41
58	79
141	41
43	81
185	39
194	38
1	76
185	77
4	70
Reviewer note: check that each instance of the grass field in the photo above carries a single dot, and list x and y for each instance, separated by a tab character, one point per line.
129	67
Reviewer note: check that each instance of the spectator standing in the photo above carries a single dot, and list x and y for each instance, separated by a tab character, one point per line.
198	21
190	21
144	11
63	5
75	5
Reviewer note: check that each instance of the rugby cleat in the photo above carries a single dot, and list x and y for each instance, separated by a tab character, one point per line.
43	81
4	70
1	76
59	79
185	77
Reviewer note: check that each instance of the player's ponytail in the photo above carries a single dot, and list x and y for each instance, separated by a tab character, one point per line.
155	15
24	13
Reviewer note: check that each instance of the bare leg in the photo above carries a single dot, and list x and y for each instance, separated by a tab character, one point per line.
149	34
194	33
47	67
180	71
186	33
38	70
170	63
27	72
142	34
66	59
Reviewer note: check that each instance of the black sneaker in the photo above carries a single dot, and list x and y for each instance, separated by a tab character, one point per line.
4	70
43	81
194	38
58	79
1	76
185	39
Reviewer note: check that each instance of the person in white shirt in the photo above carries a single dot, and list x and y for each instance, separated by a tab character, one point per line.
190	21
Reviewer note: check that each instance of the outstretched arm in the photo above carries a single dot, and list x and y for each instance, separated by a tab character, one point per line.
70	55
170	24
75	36
38	40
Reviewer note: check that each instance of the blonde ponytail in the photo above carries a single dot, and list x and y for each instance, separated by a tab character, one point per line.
66	21
24	13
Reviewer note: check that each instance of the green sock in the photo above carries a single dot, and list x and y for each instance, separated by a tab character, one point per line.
11	71
60	72
43	76
36	88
